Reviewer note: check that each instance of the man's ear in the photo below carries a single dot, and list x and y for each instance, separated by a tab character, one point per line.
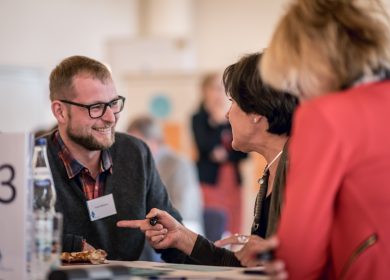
59	111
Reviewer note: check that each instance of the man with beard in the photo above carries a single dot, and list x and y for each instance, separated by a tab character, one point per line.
100	176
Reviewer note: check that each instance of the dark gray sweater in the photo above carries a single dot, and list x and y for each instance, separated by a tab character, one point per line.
136	188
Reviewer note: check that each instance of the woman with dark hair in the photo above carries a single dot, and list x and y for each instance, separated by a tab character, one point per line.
261	120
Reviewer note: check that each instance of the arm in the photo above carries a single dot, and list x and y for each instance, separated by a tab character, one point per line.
168	233
317	162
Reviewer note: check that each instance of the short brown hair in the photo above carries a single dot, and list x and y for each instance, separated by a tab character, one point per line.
61	78
323	45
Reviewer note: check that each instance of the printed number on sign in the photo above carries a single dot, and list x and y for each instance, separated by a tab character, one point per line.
7	189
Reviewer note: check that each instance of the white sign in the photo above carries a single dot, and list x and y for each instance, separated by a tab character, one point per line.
15	205
101	207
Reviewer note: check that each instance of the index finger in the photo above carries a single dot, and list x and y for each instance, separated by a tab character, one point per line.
130	223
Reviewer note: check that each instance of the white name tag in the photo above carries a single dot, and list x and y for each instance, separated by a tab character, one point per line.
101	207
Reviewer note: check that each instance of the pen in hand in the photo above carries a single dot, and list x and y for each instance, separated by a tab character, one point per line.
266	256
153	221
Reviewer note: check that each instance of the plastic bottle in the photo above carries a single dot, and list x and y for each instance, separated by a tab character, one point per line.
44	197
44	191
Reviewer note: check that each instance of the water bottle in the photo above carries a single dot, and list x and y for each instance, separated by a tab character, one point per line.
45	256
44	192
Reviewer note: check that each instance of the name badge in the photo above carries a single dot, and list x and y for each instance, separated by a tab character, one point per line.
101	207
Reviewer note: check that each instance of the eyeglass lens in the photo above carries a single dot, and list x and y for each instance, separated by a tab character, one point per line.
98	110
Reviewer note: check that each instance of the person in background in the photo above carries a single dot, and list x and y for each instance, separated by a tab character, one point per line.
90	163
176	171
335	222
261	120
218	163
43	131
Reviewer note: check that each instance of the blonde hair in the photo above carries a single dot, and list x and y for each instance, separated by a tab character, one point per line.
324	45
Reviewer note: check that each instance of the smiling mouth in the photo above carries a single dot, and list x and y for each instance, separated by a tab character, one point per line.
104	130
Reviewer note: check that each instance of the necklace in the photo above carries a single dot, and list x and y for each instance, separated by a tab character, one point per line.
268	166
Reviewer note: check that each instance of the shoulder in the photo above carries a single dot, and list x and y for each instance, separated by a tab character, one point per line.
347	103
201	114
173	158
128	145
126	139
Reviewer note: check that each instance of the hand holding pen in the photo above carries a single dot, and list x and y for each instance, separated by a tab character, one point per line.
163	231
261	252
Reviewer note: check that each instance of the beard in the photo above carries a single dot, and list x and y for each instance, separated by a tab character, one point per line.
89	142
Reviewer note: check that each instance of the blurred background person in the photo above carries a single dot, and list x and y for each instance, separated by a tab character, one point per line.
177	172
335	222
218	163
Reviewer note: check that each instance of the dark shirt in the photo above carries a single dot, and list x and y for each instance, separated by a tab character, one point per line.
207	137
136	188
264	216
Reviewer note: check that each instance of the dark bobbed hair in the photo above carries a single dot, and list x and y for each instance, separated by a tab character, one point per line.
244	85
61	78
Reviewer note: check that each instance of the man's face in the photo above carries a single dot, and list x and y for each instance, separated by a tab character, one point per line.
92	134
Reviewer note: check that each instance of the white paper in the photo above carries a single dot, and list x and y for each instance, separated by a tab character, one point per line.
15	205
101	207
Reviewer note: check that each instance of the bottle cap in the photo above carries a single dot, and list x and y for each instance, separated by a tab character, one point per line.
40	141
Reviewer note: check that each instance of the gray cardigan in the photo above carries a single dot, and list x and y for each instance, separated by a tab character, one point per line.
136	188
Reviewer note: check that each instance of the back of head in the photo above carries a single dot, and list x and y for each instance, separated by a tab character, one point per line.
146	128
244	85
325	45
209	79
61	77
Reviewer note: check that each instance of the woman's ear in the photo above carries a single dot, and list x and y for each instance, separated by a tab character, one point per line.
256	118
59	111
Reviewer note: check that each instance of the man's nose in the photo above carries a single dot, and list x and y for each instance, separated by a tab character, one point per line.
109	115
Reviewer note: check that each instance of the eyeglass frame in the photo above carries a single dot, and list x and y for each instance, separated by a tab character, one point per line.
106	104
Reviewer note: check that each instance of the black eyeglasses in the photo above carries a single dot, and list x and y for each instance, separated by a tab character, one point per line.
97	110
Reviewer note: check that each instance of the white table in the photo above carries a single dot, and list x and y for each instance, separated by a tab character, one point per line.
180	271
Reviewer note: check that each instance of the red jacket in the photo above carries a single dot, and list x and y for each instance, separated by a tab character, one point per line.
336	217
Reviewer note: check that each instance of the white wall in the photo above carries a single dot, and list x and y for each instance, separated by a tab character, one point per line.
36	35
41	32
225	30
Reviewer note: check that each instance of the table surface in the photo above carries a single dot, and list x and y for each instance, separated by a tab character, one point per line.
182	271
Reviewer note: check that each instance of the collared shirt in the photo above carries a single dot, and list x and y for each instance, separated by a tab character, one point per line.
92	187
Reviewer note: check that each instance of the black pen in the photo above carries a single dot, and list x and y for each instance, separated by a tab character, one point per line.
266	256
153	221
